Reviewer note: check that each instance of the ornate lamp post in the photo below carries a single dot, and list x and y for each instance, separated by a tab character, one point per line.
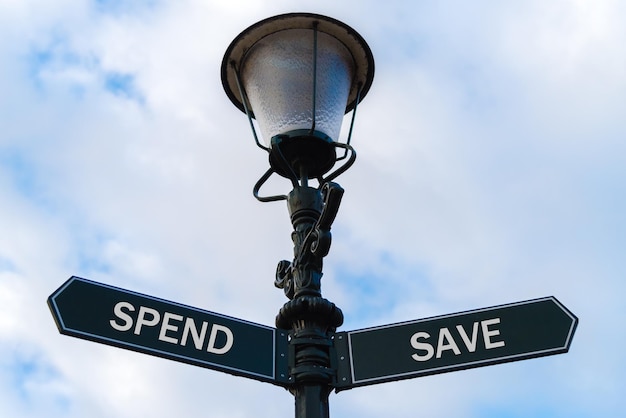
297	75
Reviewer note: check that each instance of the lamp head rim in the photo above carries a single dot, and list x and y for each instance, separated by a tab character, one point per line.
360	51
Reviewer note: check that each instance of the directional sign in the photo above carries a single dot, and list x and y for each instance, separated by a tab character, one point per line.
118	317
476	338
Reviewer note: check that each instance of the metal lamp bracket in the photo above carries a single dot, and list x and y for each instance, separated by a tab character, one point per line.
349	150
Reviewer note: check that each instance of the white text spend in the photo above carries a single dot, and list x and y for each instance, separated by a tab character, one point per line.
170	331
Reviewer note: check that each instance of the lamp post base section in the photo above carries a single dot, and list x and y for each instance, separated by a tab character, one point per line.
311	320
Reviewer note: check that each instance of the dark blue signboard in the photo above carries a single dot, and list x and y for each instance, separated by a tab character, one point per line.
110	315
464	340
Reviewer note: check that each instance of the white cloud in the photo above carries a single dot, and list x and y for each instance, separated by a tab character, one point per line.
490	170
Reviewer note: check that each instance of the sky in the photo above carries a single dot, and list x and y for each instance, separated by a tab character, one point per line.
490	170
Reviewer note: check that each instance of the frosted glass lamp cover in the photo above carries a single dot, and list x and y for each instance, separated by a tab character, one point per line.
300	72
277	75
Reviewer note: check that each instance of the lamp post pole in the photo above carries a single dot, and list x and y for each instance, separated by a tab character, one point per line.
310	317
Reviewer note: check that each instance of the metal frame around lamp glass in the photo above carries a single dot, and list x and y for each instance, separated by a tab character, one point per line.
286	147
304	150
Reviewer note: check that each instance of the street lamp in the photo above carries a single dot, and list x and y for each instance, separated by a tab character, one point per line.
297	75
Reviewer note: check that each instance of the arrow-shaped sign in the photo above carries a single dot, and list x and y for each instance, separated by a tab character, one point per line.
110	315
464	340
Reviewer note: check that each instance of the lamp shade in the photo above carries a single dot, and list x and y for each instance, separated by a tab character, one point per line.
298	74
277	76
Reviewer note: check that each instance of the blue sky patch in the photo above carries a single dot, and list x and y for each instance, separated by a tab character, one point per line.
27	373
122	85
377	291
124	7
23	172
